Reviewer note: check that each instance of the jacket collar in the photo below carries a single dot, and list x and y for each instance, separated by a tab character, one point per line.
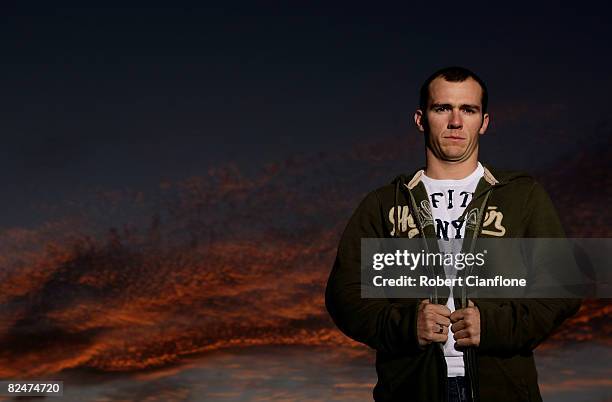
488	176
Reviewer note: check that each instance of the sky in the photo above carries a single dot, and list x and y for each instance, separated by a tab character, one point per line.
177	178
130	96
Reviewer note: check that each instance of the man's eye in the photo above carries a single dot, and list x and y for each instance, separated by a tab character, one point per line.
469	111
440	108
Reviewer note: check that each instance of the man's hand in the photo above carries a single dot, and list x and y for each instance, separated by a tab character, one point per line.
466	325
433	321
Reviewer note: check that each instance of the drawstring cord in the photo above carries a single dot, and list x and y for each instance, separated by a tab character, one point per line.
433	298
471	351
479	220
396	209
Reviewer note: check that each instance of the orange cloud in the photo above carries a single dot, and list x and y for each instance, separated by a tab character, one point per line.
222	261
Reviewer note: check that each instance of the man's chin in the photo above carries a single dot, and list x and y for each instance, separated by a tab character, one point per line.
454	156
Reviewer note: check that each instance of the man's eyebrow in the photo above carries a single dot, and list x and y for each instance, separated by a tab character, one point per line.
433	105
448	105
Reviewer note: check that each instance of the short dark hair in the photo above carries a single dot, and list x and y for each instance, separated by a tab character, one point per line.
453	74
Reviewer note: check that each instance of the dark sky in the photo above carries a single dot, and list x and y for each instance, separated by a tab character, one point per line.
284	115
98	97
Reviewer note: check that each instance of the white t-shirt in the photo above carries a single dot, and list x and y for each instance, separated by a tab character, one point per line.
448	200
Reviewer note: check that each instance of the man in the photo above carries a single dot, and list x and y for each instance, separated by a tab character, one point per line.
448	348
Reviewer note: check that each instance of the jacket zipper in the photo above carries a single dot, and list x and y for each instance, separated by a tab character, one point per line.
471	358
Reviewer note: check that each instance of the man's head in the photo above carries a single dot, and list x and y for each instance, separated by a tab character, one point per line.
453	113
453	74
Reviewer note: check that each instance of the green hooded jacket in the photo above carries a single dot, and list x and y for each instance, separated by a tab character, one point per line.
502	367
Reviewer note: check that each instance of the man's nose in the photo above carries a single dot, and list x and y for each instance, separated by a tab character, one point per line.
455	122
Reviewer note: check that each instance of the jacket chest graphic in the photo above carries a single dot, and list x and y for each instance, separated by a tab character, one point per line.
492	224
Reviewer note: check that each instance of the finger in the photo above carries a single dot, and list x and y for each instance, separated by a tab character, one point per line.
464	313
457	315
458	326
440	309
440	319
438	329
439	338
446	311
464	333
470	310
465	342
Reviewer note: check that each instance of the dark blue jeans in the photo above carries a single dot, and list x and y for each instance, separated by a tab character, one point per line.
458	390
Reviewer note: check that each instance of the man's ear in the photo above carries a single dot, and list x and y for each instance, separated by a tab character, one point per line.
419	120
485	124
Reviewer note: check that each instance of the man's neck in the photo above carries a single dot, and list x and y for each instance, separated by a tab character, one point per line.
442	170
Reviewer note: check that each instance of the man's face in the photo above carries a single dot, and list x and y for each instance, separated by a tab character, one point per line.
453	119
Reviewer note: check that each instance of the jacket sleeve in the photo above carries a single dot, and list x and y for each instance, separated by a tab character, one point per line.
510	327
379	323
